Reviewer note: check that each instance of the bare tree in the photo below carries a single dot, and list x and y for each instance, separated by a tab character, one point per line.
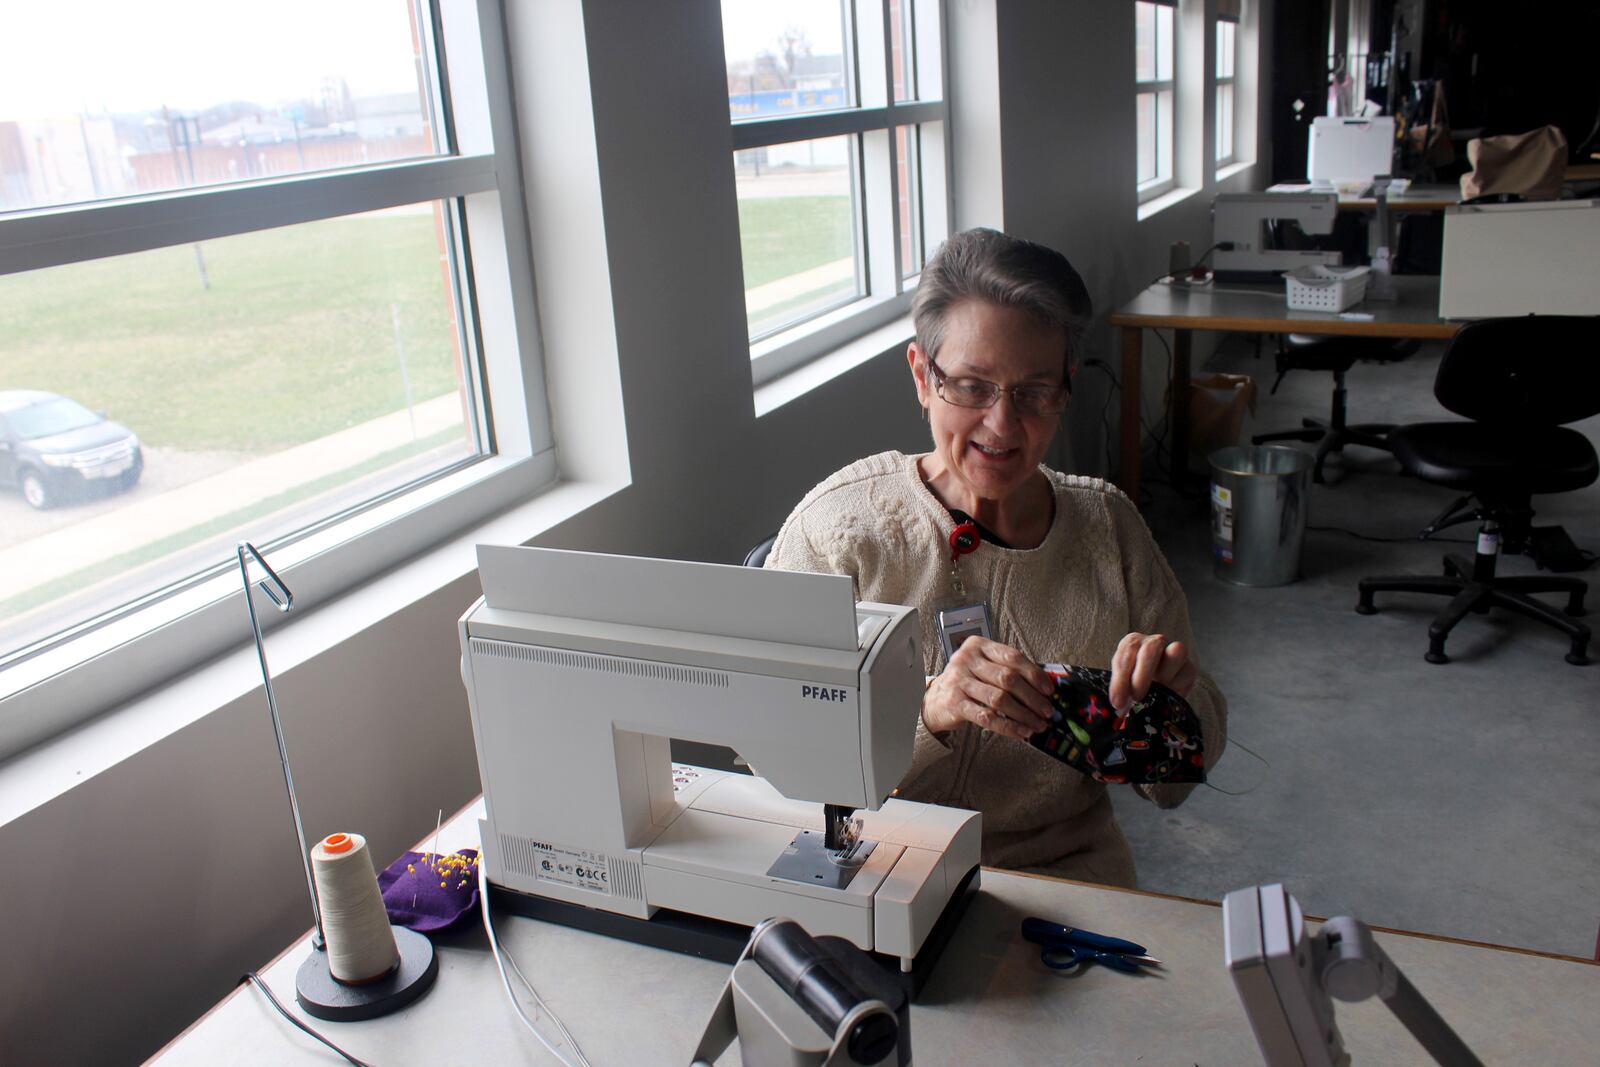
779	63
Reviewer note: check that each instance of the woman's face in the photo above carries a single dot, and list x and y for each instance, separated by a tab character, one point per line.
990	452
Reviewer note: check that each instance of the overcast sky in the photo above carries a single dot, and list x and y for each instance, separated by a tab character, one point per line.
750	27
67	56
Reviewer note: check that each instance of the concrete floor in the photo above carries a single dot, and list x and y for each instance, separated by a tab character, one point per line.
1461	799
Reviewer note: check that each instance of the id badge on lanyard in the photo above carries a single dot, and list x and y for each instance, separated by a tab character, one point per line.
961	616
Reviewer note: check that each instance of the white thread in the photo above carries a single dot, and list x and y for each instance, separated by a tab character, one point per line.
361	944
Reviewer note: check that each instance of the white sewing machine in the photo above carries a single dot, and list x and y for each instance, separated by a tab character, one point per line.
580	667
1253	223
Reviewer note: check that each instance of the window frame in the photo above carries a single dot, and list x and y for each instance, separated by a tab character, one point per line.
1165	92
478	177
1231	82
885	284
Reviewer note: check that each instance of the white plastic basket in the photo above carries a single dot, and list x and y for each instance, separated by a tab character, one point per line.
1319	288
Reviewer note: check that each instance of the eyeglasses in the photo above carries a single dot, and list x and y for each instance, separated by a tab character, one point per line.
1028	399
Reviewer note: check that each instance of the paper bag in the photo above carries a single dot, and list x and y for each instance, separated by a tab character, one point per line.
1217	406
1530	164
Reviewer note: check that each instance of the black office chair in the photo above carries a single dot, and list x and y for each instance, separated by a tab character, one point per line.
1519	380
757	556
1418	246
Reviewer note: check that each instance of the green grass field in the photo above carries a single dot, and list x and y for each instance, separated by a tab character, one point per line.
294	339
785	235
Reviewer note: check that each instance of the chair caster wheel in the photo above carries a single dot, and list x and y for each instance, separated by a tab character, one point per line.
1366	609
1435	657
1577	659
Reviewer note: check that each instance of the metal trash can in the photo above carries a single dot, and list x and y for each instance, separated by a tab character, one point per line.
1260	495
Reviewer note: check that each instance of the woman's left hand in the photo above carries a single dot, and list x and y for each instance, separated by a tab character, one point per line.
1144	658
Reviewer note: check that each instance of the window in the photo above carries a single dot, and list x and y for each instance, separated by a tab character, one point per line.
1227	37
258	279
839	160
1155	113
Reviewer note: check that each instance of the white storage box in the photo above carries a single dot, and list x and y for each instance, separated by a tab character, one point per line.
1319	288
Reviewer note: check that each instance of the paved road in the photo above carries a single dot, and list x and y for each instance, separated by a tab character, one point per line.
69	539
165	469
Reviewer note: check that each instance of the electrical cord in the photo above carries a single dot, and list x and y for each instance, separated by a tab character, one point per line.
1391	540
252	976
505	981
1225	246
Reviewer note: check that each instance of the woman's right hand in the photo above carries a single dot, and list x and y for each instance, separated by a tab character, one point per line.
993	686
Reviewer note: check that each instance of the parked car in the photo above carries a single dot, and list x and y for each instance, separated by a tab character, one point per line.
54	449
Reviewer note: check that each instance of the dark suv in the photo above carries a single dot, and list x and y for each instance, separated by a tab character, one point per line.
52	448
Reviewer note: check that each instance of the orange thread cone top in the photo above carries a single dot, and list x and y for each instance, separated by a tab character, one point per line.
338	843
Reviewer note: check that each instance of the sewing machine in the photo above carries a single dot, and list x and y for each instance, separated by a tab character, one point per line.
580	668
1255	224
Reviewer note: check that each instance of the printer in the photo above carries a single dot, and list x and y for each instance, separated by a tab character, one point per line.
580	668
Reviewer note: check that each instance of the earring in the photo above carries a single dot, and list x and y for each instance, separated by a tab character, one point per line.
924	408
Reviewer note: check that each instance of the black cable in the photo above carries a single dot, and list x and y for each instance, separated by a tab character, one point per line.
252	976
1105	409
1392	540
1226	246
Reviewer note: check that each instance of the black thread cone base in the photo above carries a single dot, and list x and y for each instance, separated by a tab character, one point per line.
320	995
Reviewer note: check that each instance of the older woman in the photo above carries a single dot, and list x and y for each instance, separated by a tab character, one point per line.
1067	569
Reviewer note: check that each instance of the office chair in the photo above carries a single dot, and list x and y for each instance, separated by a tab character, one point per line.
1520	380
1418	247
757	556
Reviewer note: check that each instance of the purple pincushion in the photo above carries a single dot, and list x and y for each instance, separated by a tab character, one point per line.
431	891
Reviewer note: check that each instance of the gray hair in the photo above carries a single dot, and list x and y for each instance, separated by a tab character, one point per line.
1006	271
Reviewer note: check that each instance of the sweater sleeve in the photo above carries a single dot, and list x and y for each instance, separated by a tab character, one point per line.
1157	605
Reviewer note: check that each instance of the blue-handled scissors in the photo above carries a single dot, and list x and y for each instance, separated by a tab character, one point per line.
1064	947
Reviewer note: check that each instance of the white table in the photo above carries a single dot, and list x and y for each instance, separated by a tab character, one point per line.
989	1000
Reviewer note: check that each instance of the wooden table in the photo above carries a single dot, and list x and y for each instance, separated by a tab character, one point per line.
1243	308
990	1000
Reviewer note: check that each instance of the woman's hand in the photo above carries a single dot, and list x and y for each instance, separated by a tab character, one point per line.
992	685
1144	658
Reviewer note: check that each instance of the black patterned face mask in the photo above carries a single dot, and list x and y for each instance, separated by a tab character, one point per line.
1156	740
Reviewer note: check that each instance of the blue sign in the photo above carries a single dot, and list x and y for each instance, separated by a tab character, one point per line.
769	102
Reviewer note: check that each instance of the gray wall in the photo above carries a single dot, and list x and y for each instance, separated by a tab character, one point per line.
136	897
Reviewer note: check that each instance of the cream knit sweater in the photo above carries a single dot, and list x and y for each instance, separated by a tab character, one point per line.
1097	576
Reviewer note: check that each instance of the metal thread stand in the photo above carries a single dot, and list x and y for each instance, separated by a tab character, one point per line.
283	600
317	990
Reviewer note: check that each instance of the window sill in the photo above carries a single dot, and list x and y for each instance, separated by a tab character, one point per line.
1151	208
40	775
1233	169
802	380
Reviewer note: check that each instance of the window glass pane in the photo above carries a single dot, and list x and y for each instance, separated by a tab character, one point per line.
1144	42
1163	43
1164	130
1145	105
901	50
908	199
797	229
1225	32
785	58
194	92
1225	121
249	386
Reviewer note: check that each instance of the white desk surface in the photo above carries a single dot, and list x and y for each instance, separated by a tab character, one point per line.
989	1000
1415	198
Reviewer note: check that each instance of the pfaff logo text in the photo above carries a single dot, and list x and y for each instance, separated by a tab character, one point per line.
818	692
